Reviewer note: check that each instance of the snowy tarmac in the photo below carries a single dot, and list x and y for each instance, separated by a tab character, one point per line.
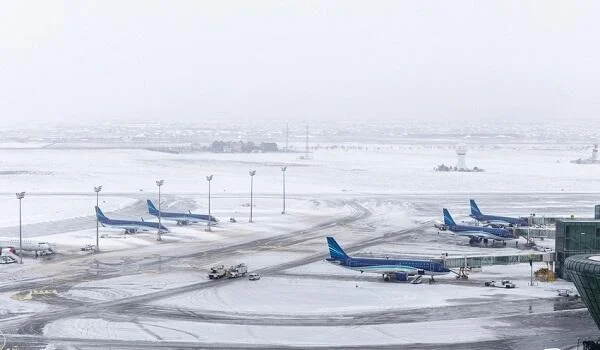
140	293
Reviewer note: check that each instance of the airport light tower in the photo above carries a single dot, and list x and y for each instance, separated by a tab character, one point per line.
159	183
283	169
97	189
209	179
20	196
252	173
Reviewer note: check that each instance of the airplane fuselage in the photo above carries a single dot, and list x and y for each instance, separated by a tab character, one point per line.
497	234
184	218
500	220
131	226
28	245
379	265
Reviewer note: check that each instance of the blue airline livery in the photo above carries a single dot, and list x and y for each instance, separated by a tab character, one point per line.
181	218
476	233
391	269
494	220
129	226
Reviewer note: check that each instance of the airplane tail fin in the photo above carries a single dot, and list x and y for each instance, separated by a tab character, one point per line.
335	250
151	208
448	220
99	213
475	209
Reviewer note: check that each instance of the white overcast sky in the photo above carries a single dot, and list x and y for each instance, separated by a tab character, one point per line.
302	60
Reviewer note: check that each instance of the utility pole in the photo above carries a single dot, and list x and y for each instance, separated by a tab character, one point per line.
283	169
208	222
20	196
252	173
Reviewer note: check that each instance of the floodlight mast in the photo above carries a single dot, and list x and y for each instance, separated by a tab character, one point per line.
97	189
252	173
20	196
159	183
283	169
208	222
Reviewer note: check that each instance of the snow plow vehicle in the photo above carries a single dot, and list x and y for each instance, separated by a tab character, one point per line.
220	271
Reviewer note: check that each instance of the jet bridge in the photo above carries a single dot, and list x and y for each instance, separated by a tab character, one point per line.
477	261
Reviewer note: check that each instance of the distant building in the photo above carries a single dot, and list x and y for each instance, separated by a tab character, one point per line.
269	147
461	164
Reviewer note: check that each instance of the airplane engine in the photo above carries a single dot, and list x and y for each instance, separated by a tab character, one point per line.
386	277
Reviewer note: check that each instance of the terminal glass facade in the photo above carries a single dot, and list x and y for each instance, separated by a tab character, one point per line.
584	271
575	237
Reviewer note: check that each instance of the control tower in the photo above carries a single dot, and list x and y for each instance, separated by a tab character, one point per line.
461	153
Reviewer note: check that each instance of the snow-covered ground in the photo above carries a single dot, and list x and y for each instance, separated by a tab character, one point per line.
393	193
437	332
291	295
402	169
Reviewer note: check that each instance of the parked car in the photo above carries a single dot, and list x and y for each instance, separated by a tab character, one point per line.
5	259
254	276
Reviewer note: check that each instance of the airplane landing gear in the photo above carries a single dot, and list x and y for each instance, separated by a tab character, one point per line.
504	243
485	241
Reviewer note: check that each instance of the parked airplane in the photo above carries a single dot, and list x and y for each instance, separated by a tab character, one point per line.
181	218
397	269
476	234
494	220
12	244
129	226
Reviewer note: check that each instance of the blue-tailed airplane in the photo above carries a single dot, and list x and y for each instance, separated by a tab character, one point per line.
476	234
390	269
181	218
129	226
494	220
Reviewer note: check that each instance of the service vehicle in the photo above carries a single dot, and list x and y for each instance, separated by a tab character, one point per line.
236	271
217	272
253	276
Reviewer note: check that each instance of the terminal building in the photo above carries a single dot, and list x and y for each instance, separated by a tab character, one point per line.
584	271
576	237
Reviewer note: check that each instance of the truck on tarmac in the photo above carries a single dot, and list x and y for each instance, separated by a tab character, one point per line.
217	272
502	284
236	271
220	271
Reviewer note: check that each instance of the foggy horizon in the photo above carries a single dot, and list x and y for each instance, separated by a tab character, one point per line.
305	62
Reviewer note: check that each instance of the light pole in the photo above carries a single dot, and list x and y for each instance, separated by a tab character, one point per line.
252	173
97	189
209	179
159	183
283	169
20	196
